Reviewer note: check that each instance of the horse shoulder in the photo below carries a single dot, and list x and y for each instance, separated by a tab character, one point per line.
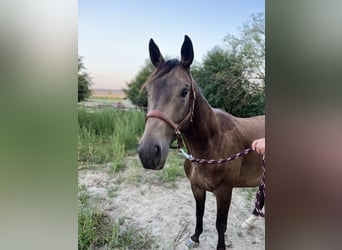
252	127
237	125
224	120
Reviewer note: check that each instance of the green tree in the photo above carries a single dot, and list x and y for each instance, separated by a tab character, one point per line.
133	91
84	81
233	78
223	83
250	45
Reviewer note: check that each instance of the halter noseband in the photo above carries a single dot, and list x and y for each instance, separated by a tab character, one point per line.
177	127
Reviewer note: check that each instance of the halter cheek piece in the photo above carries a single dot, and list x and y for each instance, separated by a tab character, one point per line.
177	127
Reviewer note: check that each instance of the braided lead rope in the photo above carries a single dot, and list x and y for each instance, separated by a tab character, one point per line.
260	195
219	161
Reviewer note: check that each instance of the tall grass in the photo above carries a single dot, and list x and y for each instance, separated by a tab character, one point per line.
108	135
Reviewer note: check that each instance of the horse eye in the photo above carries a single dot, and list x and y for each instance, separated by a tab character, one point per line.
184	92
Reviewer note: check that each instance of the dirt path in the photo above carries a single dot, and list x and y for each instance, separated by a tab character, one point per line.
167	211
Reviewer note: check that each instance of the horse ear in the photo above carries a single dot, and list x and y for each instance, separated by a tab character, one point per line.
156	57
187	52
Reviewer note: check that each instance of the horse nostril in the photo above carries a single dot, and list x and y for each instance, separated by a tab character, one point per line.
156	150
150	155
157	155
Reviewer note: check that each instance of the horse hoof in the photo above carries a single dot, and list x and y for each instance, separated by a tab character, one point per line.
249	223
245	225
191	244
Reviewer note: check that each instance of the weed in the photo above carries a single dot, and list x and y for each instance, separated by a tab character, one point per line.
96	229
108	135
83	196
112	192
251	193
118	165
135	175
173	168
125	237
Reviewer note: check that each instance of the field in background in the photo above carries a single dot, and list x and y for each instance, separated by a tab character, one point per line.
107	94
108	98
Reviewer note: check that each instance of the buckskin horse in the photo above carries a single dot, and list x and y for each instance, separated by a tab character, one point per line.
177	109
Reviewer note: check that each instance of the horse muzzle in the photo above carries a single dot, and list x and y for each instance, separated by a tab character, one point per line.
152	155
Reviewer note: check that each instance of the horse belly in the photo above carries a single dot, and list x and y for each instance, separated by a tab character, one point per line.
251	173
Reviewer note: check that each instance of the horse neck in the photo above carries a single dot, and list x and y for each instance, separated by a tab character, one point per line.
202	127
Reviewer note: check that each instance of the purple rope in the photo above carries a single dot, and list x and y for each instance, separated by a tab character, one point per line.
260	195
221	161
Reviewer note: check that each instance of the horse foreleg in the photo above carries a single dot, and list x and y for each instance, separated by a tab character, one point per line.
199	195
223	198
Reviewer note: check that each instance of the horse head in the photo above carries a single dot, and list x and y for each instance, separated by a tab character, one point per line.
170	104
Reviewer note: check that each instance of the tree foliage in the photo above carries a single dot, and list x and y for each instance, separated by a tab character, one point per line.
250	45
133	91
84	81
223	83
231	77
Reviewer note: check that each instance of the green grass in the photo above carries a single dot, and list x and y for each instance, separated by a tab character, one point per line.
108	135
173	167
96	229
251	193
112	192
124	237
83	196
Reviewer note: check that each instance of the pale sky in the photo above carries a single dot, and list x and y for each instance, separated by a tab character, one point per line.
113	35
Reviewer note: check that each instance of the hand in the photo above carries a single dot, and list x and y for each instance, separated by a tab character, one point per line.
259	146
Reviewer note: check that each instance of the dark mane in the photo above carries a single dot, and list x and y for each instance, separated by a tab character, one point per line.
163	70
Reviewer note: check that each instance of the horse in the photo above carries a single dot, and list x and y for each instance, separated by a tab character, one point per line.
178	110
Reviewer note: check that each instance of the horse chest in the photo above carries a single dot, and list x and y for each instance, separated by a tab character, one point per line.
205	179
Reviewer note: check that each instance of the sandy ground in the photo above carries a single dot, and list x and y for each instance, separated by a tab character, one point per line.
167	212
